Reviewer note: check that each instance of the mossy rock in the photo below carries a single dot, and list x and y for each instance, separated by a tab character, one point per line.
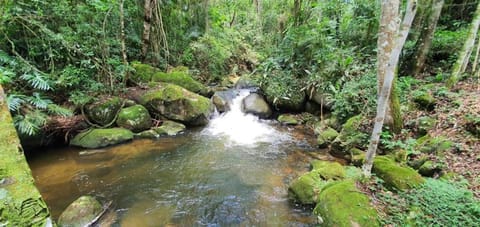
178	104
96	138
430	168
424	100
431	145
350	137
396	176
306	188
135	118
104	111
425	124
80	213
170	128
342	204
248	82
328	170
321	98
326	136
143	73
147	134
223	99
182	79
288	119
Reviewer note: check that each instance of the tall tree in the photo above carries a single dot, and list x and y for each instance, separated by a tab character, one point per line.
122	40
394	43
464	57
426	37
147	25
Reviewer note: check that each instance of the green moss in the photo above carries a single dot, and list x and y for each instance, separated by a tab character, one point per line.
170	128
326	136
20	202
178	104
306	188
135	118
396	176
288	119
342	204
147	134
350	137
430	145
104	111
96	138
284	93
328	170
430	168
80	213
424	100
143	72
425	124
181	79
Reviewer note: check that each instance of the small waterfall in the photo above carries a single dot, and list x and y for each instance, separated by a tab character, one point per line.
243	129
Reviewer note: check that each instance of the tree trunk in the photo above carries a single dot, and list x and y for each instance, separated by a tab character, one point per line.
20	203
122	42
395	44
464	57
426	37
147	25
206	17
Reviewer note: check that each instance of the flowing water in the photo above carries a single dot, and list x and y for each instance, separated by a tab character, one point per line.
233	172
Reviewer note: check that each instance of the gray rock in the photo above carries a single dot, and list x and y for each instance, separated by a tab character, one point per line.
256	104
81	212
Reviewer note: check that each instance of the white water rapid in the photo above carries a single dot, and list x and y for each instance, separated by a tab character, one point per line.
243	129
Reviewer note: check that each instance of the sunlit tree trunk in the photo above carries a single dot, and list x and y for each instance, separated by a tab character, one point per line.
122	41
395	44
426	37
464	57
147	24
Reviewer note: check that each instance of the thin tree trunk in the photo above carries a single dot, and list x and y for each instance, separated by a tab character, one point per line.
426	37
147	24
206	17
475	61
396	45
122	42
464	57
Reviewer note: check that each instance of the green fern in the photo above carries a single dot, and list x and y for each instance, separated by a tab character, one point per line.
37	81
55	109
38	101
31	123
15	101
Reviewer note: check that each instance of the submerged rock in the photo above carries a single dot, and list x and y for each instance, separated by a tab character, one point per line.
288	119
256	105
96	138
81	212
104	111
170	128
135	118
394	175
223	99
342	204
178	104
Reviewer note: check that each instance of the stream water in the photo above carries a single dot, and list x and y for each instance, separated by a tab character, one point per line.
235	171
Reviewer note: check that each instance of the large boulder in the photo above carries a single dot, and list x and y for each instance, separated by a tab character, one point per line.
81	212
223	99
342	204
103	111
170	128
182	79
326	136
96	138
247	82
135	118
142	72
395	175
255	104
178	104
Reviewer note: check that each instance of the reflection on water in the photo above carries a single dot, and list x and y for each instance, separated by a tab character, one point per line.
196	179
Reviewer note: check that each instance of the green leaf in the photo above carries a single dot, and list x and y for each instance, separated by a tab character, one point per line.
55	109
14	101
37	81
38	101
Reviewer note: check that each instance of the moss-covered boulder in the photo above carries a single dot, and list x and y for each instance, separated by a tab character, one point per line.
342	204
255	104
170	128
425	124
80	213
424	100
135	118
430	168
182	79
20	202
350	137
326	136
433	145
103	111
178	104
96	138
396	176
307	187
147	134
288	119
143	73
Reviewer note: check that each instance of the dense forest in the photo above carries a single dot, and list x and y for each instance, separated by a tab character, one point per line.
399	80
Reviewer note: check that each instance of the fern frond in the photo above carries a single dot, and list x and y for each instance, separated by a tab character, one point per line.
14	101
38	101
37	81
55	109
31	123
